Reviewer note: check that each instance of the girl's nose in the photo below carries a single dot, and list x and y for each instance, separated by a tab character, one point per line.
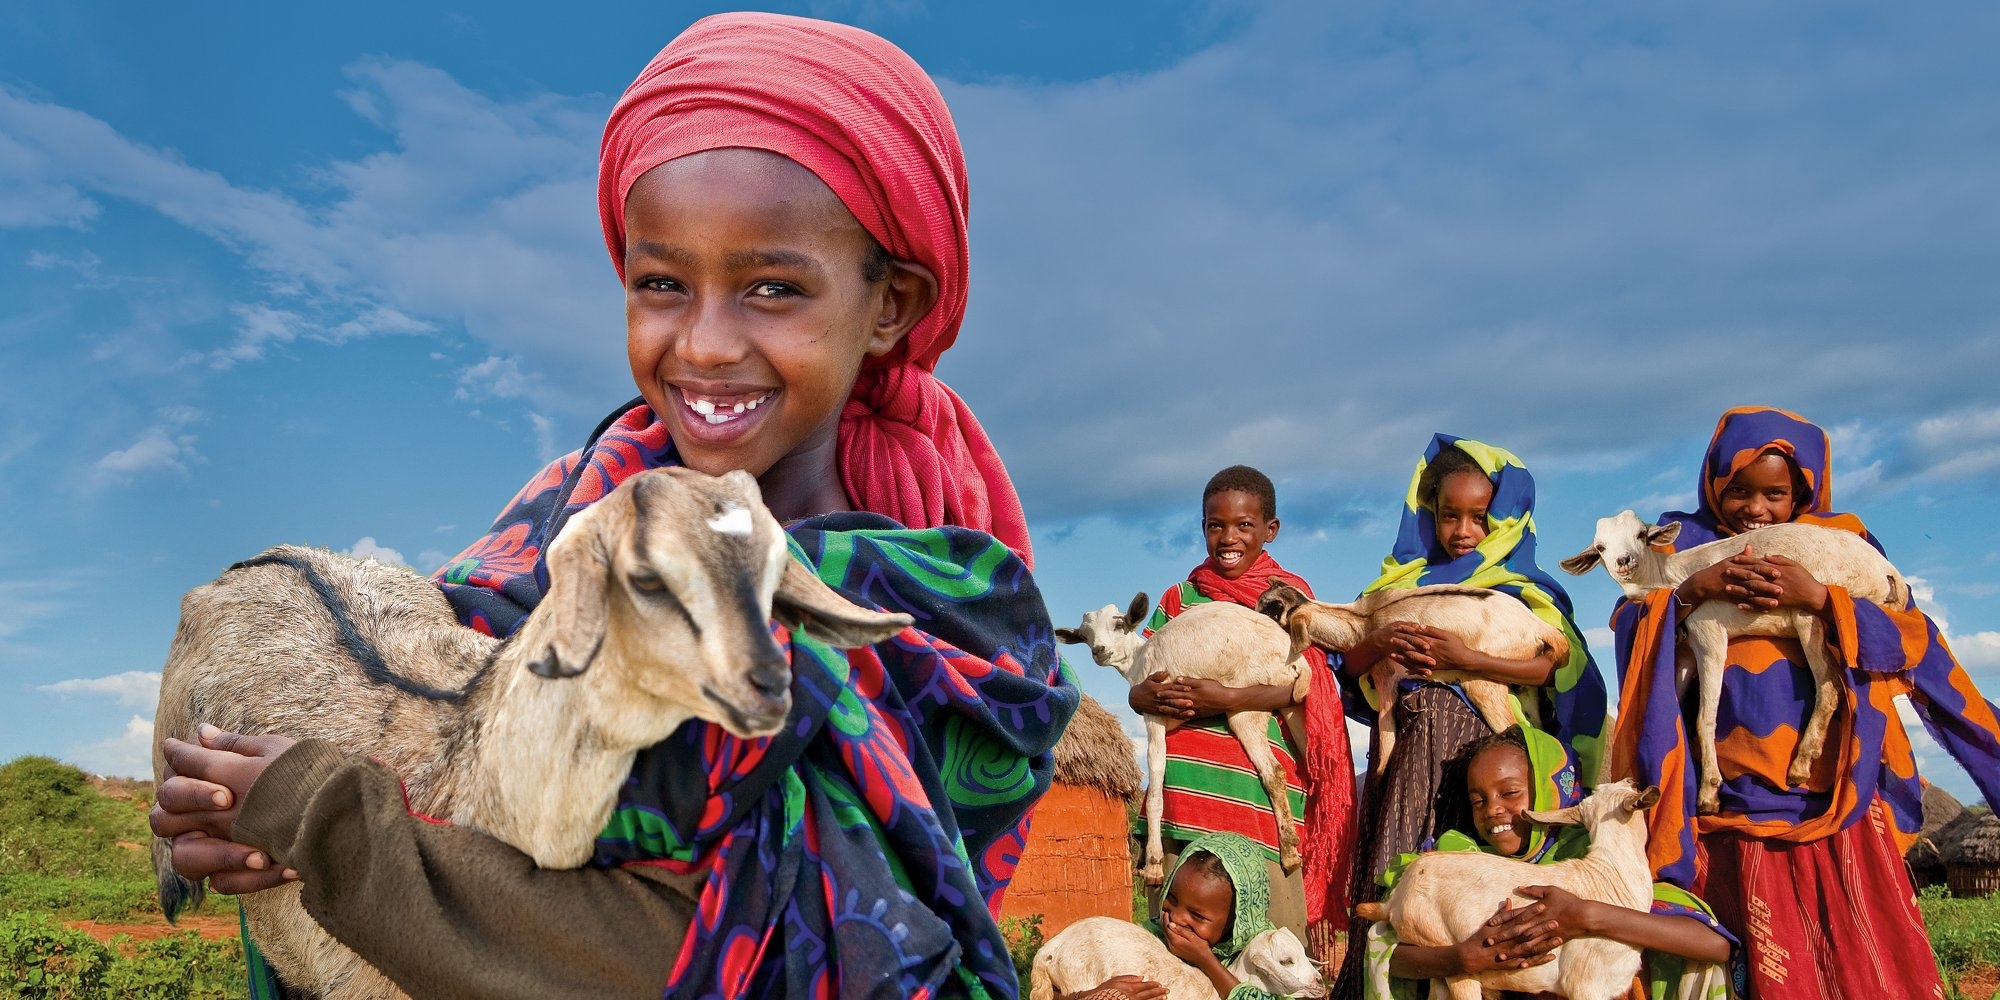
712	339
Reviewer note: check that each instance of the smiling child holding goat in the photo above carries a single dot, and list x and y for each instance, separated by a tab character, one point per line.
785	202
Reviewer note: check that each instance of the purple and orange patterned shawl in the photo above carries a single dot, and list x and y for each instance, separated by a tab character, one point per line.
1767	687
862	851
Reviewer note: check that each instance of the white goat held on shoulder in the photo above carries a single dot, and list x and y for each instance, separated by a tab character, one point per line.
1097	949
658	609
1629	549
1488	620
1444	897
1219	641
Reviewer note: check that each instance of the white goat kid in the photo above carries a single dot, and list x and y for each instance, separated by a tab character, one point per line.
1629	550
1488	620
1219	641
658	609
1096	949
1444	897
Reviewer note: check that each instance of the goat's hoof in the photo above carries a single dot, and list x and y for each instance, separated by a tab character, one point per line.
1289	860
1800	770
1709	804
1152	874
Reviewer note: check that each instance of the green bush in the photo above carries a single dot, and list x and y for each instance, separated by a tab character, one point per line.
42	960
1024	939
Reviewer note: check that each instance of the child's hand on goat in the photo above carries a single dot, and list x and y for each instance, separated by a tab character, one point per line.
196	808
1156	695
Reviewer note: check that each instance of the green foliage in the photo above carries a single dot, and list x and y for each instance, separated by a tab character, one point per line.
43	960
1024	939
1965	933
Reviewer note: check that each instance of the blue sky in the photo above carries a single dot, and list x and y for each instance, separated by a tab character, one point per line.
274	277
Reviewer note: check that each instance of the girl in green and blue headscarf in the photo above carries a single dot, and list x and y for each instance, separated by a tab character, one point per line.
1467	519
1505	775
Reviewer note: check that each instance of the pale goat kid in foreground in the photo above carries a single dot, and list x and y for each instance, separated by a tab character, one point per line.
1488	620
1630	551
1444	897
1219	641
1096	949
658	609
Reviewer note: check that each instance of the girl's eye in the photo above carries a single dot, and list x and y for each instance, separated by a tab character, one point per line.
772	289
657	284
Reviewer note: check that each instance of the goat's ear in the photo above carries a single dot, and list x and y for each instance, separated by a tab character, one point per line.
1068	635
1297	627
1647	799
579	571
1581	563
1555	817
1135	613
1663	535
804	602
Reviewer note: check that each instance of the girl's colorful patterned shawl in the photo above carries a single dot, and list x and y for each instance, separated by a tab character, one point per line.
863	851
1880	652
1553	770
1505	561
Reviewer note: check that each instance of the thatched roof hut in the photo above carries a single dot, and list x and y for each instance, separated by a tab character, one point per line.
1095	752
1077	863
1970	849
1925	861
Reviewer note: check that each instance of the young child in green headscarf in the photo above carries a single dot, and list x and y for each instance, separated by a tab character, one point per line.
1218	897
1687	953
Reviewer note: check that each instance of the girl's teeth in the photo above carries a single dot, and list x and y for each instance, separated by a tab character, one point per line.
739	407
703	407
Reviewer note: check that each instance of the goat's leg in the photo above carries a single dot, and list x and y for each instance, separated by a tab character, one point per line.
1491	699
1458	988
1384	677
1156	800
1812	739
1709	642
1253	730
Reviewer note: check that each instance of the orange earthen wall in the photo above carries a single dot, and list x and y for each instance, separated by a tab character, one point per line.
1076	864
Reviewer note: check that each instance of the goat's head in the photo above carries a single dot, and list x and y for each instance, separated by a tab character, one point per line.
1621	542
1276	961
670	583
1279	602
1611	804
1110	633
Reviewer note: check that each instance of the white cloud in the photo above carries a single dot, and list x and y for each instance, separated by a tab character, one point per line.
162	447
133	688
1978	651
126	755
368	548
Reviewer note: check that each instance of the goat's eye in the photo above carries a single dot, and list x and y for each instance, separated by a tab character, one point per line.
648	582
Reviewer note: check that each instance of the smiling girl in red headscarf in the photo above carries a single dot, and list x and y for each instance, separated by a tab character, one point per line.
785	201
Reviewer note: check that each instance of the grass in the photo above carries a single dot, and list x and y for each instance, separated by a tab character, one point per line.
72	849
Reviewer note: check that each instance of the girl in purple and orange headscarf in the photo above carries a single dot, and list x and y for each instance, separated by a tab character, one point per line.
1811	877
785	202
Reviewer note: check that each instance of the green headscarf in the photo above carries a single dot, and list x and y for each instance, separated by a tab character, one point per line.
1244	861
1552	774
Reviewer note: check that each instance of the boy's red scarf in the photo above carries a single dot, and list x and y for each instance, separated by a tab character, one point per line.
1329	817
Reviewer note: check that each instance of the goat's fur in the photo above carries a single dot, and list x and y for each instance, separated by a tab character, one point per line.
1489	621
1630	550
1444	897
658	609
1096	949
1224	642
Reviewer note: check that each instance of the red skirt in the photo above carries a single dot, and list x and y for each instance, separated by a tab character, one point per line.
1834	919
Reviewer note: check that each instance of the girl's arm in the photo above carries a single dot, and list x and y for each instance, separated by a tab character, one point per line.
1443	650
1568	916
1511	939
447	911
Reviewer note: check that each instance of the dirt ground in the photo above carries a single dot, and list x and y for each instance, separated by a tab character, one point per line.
1979	981
214	927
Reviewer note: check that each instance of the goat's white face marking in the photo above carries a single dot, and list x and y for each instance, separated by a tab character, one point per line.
734	520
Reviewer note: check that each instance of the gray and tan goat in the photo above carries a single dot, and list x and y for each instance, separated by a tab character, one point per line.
1219	641
1489	621
658	609
1632	551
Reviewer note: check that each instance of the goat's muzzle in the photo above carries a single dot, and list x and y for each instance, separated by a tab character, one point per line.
758	706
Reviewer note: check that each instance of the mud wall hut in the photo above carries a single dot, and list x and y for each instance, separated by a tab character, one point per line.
1077	863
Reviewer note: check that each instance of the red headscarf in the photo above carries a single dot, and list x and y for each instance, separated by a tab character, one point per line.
863	117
